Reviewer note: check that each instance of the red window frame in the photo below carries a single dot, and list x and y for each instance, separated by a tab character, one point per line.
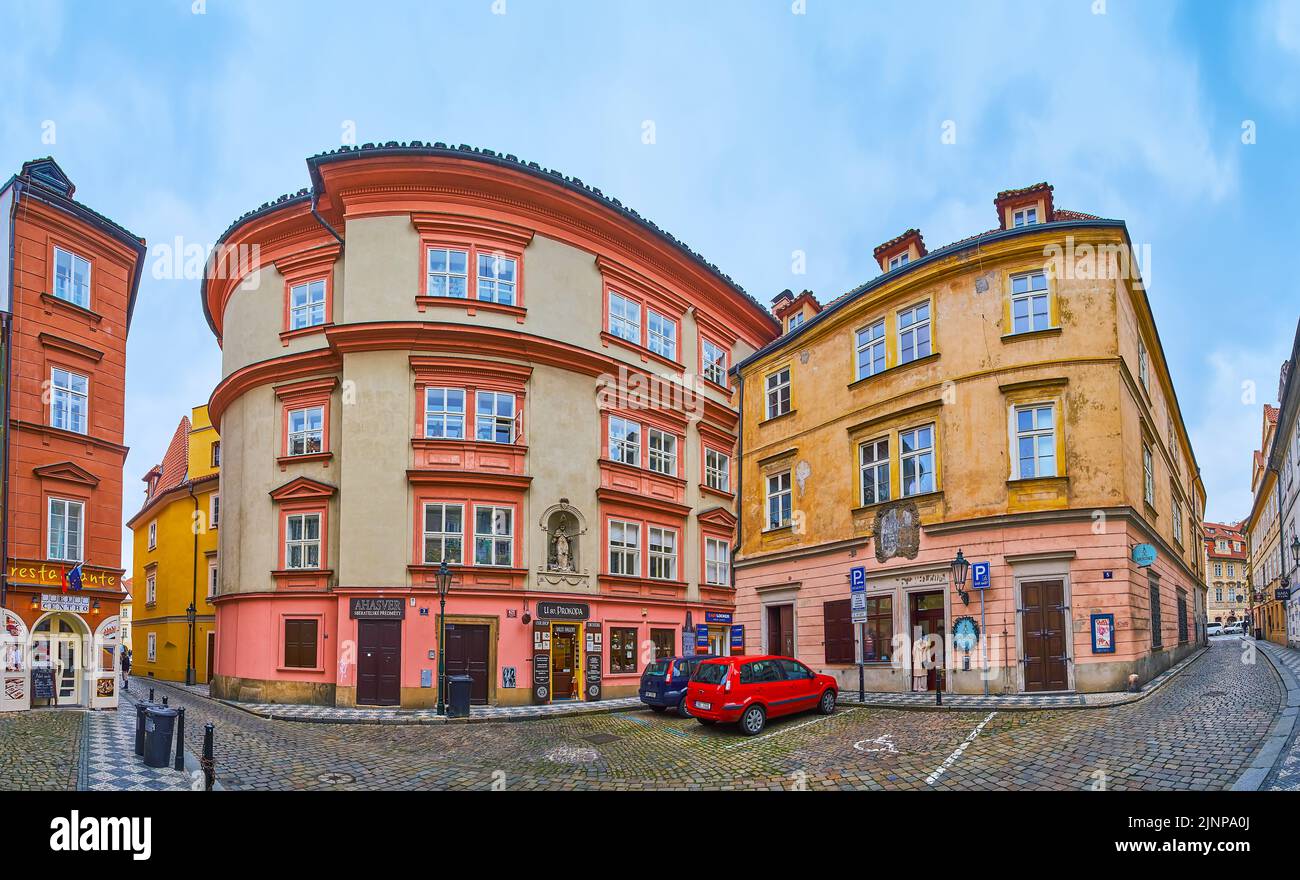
305	395
645	424
484	497
316	264
648	294
475	236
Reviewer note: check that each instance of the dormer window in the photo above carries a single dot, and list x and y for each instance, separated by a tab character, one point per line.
1025	217
795	321
900	260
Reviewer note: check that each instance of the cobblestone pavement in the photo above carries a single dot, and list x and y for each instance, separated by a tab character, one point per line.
40	749
1198	732
1285	775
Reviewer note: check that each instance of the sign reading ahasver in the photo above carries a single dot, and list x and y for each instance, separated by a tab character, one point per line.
377	608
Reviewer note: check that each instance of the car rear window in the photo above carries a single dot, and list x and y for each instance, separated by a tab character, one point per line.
710	673
659	667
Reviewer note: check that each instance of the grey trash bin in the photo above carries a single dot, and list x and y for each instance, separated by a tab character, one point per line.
159	724
458	687
140	709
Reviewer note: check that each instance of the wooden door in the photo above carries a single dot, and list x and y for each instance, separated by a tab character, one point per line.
780	630
564	661
212	653
927	616
1043	625
379	662
467	654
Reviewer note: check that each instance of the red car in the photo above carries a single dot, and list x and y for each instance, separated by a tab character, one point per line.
751	690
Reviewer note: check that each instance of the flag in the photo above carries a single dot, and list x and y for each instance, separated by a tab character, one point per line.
72	578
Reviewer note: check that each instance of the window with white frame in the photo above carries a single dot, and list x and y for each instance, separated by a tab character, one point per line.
212	576
717	561
497	279
306	430
153	535
494	416
444	413
662	335
1029	302
1218	569
663	452
871	349
624	548
1178	522
794	321
1148	475
715	362
71	278
302	540
69	400
152	650
1142	362
1232	570
662	544
1221	546
624	441
914	333
900	260
717	470
873	458
778	393
150	589
1035	441
779	500
624	317
214	510
1024	217
307	304
916	459
494	530
444	531
448	272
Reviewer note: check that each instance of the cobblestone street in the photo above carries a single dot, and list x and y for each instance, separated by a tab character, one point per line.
40	750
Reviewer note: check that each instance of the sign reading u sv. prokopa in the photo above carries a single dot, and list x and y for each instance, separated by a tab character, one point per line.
563	610
377	608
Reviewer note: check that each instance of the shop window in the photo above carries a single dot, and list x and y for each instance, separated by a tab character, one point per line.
302	540
444	413
665	642
622	650
65	529
494	542
71	278
300	643
444	531
878	631
69	400
837	620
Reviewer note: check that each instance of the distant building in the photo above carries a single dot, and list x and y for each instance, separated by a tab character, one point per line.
1226	573
1282	461
1267	615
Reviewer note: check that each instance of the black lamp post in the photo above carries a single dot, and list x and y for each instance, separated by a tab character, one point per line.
444	584
960	568
190	677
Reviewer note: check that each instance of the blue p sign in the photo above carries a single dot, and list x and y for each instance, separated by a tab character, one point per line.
979	575
858	578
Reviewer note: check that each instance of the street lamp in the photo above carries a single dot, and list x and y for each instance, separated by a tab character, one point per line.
960	567
444	584
190	677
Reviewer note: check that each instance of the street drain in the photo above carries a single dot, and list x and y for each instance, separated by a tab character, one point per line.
336	778
599	739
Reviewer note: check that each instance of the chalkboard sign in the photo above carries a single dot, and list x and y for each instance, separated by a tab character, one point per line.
593	677
43	684
542	677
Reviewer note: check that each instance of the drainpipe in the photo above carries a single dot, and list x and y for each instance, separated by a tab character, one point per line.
315	198
740	481
7	367
190	676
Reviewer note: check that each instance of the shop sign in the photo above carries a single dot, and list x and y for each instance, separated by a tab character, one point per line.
377	608
738	637
46	574
65	602
701	636
1144	554
1103	633
717	616
594	632
1283	593
563	610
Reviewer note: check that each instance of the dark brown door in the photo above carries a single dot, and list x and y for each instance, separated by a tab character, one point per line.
564	661
212	653
780	630
1043	624
927	620
467	654
379	662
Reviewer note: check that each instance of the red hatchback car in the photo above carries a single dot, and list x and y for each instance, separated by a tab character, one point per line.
751	690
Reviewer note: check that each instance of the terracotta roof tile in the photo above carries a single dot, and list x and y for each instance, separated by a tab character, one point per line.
1270	413
176	462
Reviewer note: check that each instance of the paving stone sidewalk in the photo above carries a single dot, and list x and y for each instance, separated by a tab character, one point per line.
1277	767
109	761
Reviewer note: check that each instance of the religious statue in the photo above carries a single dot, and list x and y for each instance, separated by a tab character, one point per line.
563	561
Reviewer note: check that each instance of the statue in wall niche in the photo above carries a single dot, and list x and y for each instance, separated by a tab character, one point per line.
898	531
563	561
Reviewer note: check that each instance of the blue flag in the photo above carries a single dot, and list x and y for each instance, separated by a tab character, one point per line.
73	578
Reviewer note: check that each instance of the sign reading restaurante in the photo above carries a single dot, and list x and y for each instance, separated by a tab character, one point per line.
48	574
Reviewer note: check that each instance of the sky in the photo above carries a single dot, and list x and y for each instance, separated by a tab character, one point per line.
749	129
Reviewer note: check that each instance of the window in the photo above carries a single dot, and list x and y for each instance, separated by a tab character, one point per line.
69	400
444	531
300	643
216	453
302	540
664	642
71	278
901	260
307	304
212	577
1231	570
871	349
65	529
778	500
717	561
715	363
914	333
624	441
496	279
837	618
916	458
624	318
1024	217
214	510
306	430
448	272
878	631
663	452
1035	442
1153	586
760	672
444	413
622	650
662	338
778	393
152	651
1218	594
717	470
153	535
1142	362
494	542
1182	618
1148	476
874	463
1178	522
1218	569
150	589
663	553
624	548
794	321
1029	302
494	417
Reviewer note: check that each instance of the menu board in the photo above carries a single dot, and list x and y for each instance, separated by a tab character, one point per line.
595	660
43	684
541	662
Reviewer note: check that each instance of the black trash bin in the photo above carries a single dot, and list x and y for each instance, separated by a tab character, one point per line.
458	687
159	724
140	709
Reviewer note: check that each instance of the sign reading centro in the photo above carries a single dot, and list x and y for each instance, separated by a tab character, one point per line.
563	611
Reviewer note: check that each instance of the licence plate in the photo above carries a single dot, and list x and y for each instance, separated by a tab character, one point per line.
699	705
650	694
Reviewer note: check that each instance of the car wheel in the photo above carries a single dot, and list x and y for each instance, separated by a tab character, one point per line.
751	723
683	709
658	710
827	703
707	722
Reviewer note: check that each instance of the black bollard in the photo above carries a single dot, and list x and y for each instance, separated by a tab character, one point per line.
208	762
180	739
139	729
151	695
164	701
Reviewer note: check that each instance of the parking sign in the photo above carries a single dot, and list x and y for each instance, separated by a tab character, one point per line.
979	575
858	578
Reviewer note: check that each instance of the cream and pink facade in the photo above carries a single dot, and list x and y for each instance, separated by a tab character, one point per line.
443	354
1006	397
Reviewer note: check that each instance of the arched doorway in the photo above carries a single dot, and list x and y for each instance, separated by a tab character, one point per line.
61	643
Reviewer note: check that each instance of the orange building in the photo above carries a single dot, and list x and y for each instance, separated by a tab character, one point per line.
68	281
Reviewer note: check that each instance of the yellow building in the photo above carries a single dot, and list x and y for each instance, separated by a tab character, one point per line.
1267	613
175	564
1227	573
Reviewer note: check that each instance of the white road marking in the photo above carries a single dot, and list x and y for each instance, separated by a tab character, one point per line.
952	759
884	743
749	741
